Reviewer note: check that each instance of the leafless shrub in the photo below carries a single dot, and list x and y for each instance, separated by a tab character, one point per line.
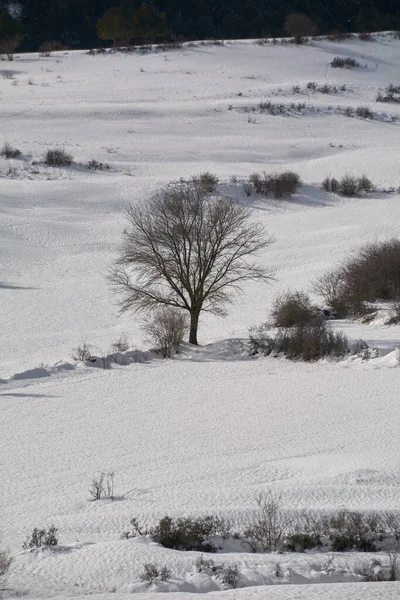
82	353
46	48
339	36
41	537
7	74
348	185
330	184
277	185
153	572
390	94
350	529
375	571
365	184
8	45
364	112
393	89
95	165
57	158
293	308
366	37
348	111
9	151
136	530
270	526
372	274
275	108
188	533
103	486
166	328
207	181
344	63
370	572
6	561
361	349
122	344
230	576
248	188
303	342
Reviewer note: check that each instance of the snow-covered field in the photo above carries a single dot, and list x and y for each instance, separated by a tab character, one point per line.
208	430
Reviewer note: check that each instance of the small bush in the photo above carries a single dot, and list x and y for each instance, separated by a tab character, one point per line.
136	531
304	342
46	48
121	345
372	274
277	185
152	573
390	96
166	329
9	152
330	184
300	542
41	537
57	158
95	165
365	184
273	108
339	36
344	63
348	185
188	533
82	353
6	561
207	181
248	188
366	37
293	308
228	575
364	112
103	486
371	572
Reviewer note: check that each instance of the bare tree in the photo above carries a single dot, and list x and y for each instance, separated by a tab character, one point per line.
187	249
300	25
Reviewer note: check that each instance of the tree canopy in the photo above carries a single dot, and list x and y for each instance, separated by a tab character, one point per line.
73	22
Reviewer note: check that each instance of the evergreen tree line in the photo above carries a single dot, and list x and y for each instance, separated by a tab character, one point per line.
90	23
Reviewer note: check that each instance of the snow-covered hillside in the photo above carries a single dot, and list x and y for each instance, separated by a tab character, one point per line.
208	430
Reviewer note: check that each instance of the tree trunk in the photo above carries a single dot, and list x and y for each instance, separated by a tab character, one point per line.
194	323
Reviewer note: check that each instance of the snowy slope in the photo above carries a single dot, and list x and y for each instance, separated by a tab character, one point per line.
208	430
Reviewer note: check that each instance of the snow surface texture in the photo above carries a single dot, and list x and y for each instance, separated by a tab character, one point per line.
208	430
